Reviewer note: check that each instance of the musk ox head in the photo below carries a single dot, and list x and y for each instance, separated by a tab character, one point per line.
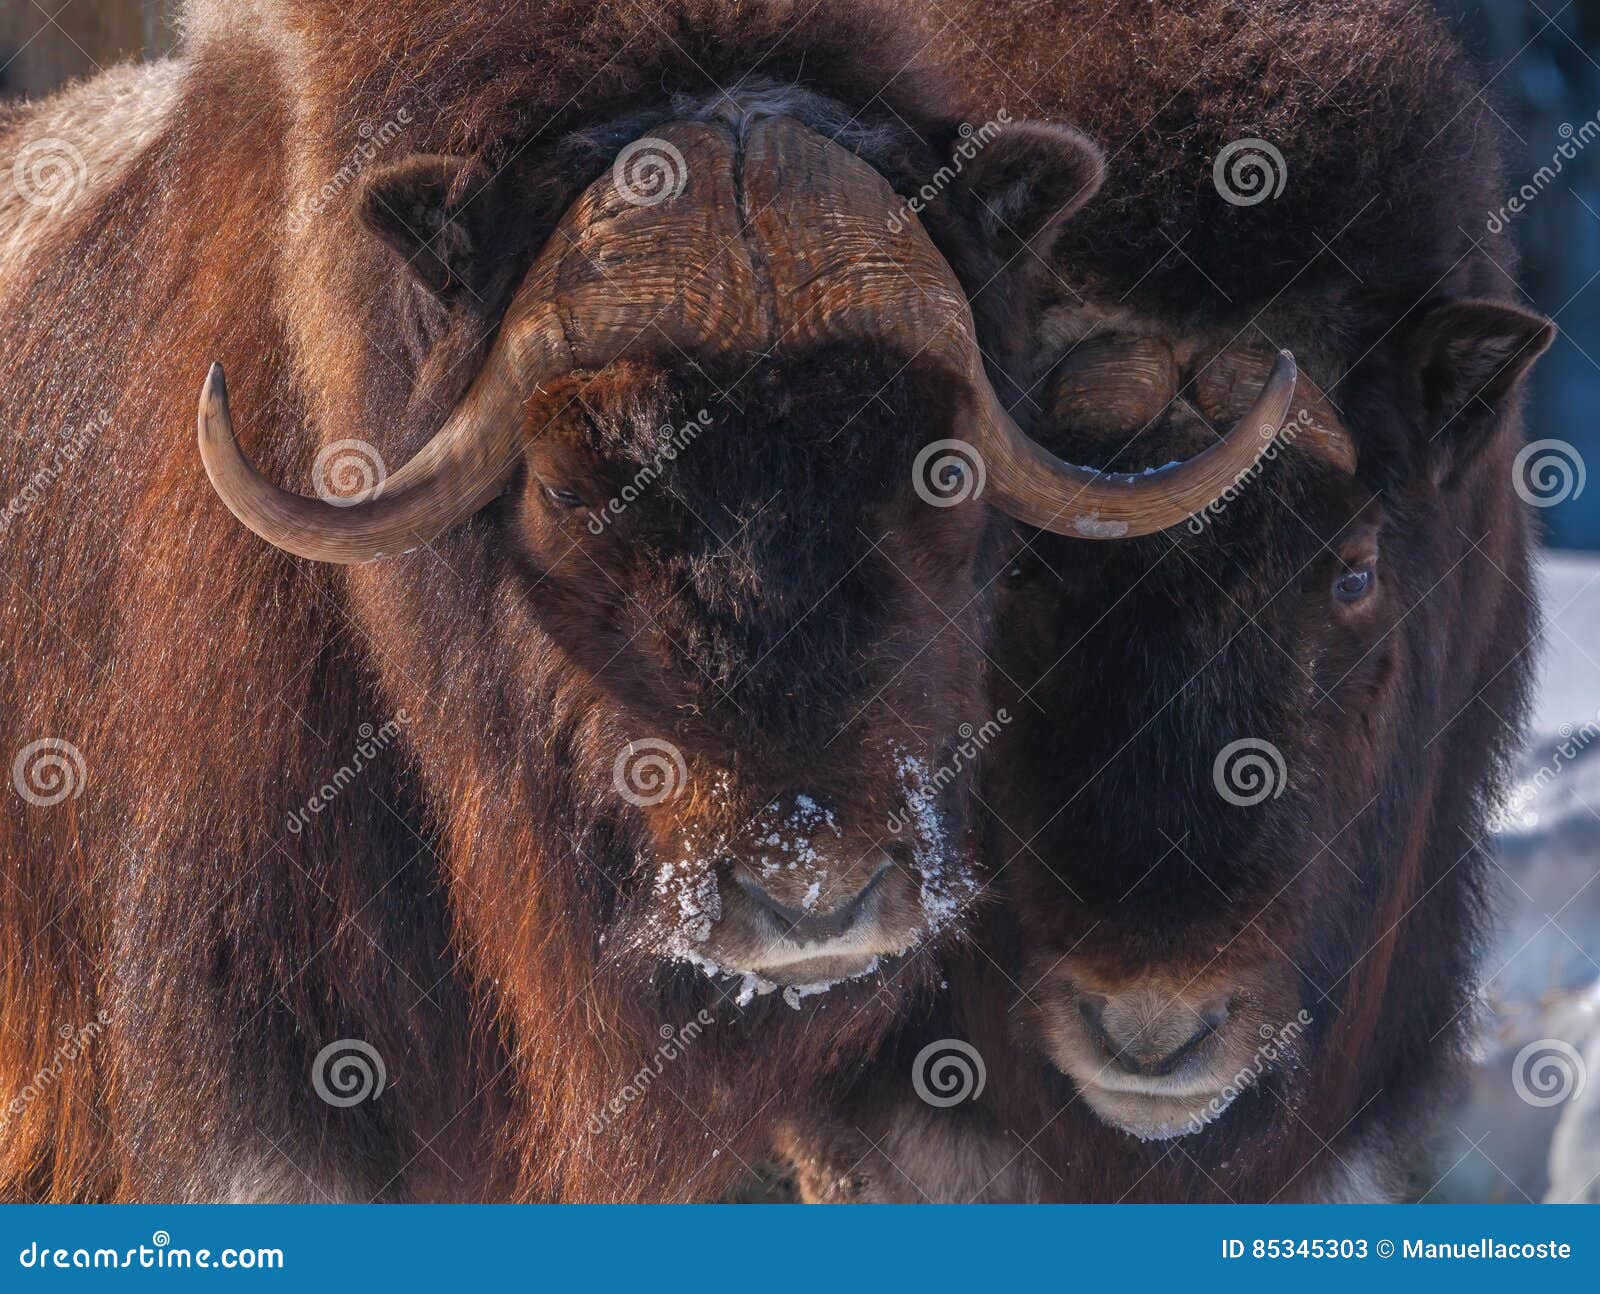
718	626
1256	726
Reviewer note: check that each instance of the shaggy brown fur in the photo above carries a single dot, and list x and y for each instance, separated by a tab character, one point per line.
1388	173
1359	892
447	909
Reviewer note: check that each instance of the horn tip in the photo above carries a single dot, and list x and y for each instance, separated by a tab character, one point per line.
214	416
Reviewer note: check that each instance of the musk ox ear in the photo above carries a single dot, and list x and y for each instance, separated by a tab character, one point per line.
1028	178
1467	357
436	213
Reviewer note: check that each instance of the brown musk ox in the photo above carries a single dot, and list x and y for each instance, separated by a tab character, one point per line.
403	841
1241	813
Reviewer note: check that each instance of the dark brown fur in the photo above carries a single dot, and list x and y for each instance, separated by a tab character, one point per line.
1360	893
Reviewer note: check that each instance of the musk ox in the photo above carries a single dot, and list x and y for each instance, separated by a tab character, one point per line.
398	846
1241	814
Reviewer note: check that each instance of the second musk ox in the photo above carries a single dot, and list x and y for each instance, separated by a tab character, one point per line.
394	848
1242	813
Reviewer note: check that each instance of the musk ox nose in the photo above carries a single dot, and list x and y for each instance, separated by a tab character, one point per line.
813	922
1144	1034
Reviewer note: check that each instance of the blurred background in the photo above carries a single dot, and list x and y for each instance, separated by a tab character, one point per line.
1529	1128
1543	56
46	42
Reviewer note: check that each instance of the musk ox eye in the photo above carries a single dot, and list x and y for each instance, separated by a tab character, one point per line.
1021	570
1354	585
561	497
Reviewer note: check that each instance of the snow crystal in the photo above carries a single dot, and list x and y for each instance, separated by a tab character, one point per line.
794	994
1092	527
945	882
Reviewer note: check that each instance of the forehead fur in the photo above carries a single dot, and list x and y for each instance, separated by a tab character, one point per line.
768	502
857	408
1392	162
492	76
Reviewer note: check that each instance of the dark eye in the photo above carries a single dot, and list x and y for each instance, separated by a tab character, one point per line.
1354	585
1023	569
562	497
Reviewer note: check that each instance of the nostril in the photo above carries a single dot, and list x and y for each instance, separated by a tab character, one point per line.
768	904
1092	1007
1161	1066
1151	1045
807	926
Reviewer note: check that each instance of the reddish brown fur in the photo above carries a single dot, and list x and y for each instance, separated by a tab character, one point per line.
210	682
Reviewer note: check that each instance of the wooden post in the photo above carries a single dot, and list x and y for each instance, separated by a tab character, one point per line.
46	43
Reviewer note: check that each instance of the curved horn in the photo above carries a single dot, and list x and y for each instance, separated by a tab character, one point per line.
468	461
457	472
856	271
1039	489
831	275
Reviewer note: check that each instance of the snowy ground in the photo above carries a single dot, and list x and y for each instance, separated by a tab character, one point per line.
1541	1060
